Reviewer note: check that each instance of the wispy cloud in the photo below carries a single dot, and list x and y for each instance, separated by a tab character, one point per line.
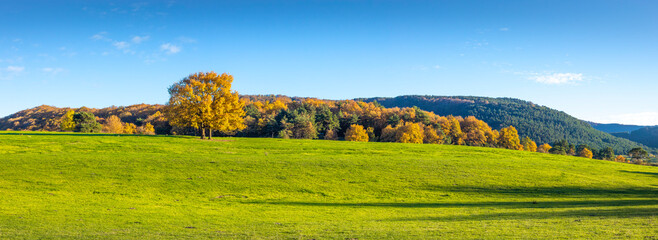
121	45
52	71
426	67
170	48
10	72
476	44
15	69
186	40
139	39
556	78
504	29
100	36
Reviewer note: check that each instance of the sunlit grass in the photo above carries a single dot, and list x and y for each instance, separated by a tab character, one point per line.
147	187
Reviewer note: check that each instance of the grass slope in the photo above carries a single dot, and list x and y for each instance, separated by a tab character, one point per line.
59	186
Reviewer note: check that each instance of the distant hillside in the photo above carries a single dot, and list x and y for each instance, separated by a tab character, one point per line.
646	135
46	118
542	124
614	127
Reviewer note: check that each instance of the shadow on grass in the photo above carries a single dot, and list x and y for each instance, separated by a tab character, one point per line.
577	202
533	204
579	192
579	213
639	172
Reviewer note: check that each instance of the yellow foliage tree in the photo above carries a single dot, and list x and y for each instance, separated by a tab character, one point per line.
529	145
113	125
452	129
409	133
586	153
205	101
474	131
509	138
492	138
430	136
356	133
147	129
544	148
129	128
66	123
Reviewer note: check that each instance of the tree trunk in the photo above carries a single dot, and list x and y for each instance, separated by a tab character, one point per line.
209	133
203	133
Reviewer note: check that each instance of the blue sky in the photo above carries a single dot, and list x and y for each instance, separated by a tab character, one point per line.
596	60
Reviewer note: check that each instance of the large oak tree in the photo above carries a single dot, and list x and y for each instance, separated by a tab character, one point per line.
205	101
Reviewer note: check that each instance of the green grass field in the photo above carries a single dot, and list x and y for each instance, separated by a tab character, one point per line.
59	186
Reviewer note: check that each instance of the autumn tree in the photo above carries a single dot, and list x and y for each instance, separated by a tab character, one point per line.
620	158
544	148
509	138
146	129
409	133
129	128
529	145
586	153
431	135
205	101
113	125
66	123
356	133
475	131
452	130
388	134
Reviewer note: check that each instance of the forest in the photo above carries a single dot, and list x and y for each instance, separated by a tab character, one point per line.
540	123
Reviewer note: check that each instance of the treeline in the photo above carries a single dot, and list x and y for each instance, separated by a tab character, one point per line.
563	147
133	119
540	123
309	118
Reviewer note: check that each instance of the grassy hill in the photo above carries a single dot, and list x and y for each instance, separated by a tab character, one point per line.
72	186
542	124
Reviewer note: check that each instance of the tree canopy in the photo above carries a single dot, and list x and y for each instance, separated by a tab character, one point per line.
205	101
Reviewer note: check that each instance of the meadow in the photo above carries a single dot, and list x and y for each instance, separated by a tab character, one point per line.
102	186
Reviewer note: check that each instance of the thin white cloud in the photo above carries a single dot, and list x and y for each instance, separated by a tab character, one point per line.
139	39
121	45
186	39
641	118
100	36
52	71
9	72
556	78
15	69
170	48
436	67
504	29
